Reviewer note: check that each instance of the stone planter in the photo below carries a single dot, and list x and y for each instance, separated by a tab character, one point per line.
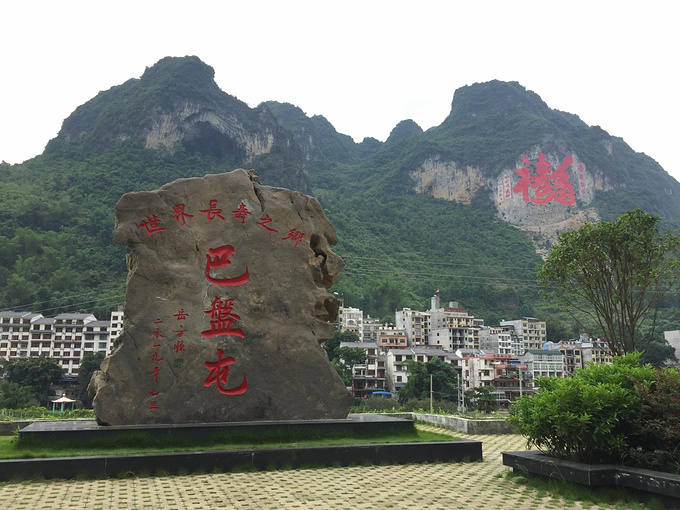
643	482
462	424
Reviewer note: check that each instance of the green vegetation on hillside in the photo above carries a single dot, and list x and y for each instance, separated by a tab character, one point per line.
56	210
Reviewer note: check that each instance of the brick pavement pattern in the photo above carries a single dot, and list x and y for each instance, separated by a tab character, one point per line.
478	485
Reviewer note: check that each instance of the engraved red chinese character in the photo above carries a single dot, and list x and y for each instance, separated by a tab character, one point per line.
212	211
151	225
180	214
264	222
222	318
153	392
154	357
241	213
219	371
179	331
295	236
154	373
546	186
153	405
157	334
181	315
178	347
219	257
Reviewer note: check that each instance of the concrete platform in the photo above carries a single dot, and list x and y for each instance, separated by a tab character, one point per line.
236	459
85	430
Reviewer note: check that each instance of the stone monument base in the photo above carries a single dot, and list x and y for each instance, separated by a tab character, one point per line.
228	460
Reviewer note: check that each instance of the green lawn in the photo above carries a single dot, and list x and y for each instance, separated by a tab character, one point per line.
12	447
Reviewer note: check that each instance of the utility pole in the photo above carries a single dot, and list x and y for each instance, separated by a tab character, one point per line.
430	393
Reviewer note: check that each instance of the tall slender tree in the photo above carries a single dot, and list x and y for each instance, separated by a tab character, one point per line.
615	273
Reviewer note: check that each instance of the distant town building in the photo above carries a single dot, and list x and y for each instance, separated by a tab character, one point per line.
500	339
530	331
67	338
370	329
397	360
415	323
367	377
391	337
544	363
452	327
353	320
673	339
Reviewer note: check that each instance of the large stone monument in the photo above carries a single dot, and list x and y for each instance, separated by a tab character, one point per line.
225	307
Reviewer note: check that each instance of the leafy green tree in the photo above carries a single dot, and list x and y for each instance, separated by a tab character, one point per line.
615	273
332	345
15	396
482	398
90	364
37	373
345	359
445	380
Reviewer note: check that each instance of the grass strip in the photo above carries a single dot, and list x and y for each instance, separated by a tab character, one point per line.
133	443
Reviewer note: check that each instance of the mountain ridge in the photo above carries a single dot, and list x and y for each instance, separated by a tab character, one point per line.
424	210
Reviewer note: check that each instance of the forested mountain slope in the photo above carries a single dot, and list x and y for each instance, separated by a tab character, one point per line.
465	207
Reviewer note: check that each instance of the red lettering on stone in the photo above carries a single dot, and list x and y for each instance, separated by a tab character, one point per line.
180	214
181	315
153	392
157	334
219	257
264	222
241	213
295	236
154	373
222	318
151	225
178	347
212	211
180	331
542	183
219	371
154	357
153	405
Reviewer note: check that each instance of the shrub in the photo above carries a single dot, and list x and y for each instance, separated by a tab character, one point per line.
655	441
588	417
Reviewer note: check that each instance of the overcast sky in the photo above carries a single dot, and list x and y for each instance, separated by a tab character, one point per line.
364	65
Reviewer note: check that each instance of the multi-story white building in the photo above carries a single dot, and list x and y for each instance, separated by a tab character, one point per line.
67	338
530	331
396	360
544	363
370	328
415	323
116	327
353	320
391	337
581	353
453	327
501	340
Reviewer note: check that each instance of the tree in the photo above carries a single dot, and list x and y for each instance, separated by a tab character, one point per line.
15	396
90	364
332	345
615	273
482	398
37	373
444	380
345	359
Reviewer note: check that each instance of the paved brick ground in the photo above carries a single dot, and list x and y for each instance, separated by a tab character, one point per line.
421	486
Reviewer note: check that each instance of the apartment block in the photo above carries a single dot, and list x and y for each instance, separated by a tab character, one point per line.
353	320
530	331
67	338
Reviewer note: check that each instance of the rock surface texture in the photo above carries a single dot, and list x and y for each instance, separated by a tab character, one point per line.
225	307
